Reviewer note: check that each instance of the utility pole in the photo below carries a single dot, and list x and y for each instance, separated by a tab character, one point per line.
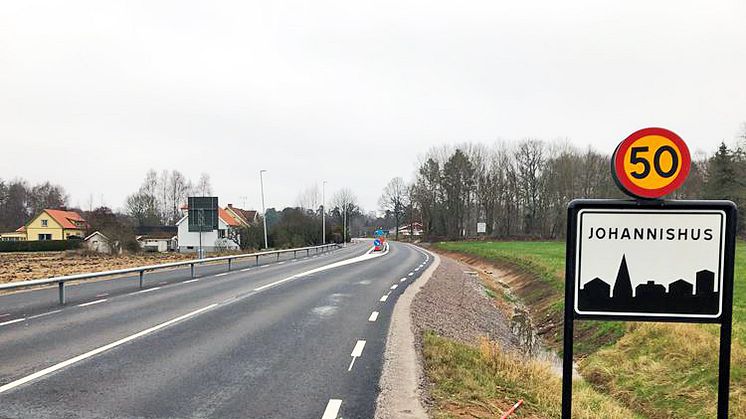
323	212
344	227
264	210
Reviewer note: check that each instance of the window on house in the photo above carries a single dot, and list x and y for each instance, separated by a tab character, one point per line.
221	234
45	237
45	223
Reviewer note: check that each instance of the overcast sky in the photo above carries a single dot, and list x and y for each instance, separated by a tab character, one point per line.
93	94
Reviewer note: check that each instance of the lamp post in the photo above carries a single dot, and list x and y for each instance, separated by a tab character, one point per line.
323	212
264	210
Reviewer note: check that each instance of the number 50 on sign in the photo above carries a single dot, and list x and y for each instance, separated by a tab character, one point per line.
650	163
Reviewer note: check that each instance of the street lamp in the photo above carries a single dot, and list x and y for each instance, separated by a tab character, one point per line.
323	212
264	210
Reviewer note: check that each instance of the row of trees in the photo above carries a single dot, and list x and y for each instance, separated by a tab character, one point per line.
161	196
521	190
19	201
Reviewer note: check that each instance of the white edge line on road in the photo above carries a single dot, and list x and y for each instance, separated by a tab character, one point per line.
148	290
97	351
332	409
44	314
191	280
410	274
223	274
90	303
105	294
417	269
12	321
393	287
245	269
281	263
373	316
383	299
403	279
320	269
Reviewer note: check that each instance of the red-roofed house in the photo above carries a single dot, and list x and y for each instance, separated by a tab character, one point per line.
226	237
56	224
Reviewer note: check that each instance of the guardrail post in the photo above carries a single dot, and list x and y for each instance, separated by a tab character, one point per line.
62	292
192	268
308	252
142	273
229	265
295	254
257	260
278	255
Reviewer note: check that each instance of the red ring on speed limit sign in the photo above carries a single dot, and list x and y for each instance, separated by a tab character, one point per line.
650	163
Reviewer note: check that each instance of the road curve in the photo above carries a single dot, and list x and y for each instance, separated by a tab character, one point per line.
301	338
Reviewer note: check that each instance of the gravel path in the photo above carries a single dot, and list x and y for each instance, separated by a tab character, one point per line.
454	304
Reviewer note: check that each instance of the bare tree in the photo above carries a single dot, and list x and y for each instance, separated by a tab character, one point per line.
346	201
179	189
394	200
204	188
309	198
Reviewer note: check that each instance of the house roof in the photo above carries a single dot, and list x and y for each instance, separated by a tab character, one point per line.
96	233
21	229
247	216
66	219
157	235
227	218
223	214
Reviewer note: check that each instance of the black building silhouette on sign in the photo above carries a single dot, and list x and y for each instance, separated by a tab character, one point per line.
649	297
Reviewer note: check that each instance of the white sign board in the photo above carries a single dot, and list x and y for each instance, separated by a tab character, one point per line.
481	227
639	262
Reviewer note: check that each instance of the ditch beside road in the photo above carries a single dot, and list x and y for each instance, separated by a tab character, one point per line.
481	353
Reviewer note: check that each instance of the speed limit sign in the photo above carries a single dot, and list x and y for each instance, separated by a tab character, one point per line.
650	163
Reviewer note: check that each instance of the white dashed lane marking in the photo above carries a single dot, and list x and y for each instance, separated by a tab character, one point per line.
403	279
332	409
223	274
191	280
384	298
12	321
357	352
90	303
245	269
373	316
44	314
393	287
148	290
410	274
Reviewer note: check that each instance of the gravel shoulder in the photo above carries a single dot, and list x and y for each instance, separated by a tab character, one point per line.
450	300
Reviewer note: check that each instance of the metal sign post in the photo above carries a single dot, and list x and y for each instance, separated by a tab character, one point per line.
649	259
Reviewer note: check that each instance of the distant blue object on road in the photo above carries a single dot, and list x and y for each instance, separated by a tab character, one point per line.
377	242
379	233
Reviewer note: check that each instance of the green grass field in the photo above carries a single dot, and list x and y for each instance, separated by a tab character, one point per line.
658	370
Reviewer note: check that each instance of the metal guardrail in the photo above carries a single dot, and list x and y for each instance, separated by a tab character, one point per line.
60	280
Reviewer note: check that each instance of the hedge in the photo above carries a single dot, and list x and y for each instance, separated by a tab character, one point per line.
40	245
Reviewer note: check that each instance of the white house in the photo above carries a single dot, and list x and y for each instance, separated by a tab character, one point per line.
224	238
157	242
414	229
97	242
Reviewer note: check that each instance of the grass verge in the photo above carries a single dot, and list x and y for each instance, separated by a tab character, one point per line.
660	370
484	382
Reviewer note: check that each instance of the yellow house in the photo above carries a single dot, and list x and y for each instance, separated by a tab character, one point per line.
53	224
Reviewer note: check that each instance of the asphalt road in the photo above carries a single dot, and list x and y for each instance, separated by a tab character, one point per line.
291	339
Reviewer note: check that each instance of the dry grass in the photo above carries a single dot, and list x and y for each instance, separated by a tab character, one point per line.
668	371
483	382
37	265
